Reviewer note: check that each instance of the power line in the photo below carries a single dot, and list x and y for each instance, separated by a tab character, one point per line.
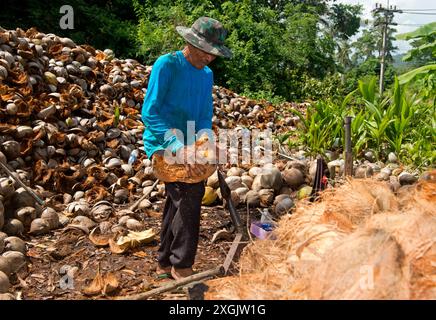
410	24
418	9
424	13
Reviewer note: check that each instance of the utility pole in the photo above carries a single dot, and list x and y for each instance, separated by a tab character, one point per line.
382	55
387	20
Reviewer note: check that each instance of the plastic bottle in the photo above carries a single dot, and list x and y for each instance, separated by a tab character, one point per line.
133	157
267	222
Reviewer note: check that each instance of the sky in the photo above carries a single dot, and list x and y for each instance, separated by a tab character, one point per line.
406	22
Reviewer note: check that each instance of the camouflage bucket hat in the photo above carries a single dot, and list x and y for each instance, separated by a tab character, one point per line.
207	34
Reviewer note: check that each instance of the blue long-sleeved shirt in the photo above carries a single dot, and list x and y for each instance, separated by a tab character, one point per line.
177	93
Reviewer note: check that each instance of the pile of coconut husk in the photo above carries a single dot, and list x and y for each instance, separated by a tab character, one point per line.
70	119
359	241
69	123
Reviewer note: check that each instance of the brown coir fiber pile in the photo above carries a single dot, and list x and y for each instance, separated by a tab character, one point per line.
361	241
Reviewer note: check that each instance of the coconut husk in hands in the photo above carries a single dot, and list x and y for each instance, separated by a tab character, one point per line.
172	172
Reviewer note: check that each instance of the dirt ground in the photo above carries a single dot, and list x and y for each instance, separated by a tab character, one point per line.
50	256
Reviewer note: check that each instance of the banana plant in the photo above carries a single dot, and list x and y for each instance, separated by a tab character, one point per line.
424	42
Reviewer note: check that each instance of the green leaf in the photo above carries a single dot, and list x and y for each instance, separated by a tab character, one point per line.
377	114
368	89
347	99
424	30
409	76
116	113
300	116
415	53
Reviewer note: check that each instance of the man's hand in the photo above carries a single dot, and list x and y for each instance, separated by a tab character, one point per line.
197	158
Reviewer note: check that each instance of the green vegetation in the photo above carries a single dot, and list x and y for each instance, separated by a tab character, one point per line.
423	54
283	49
277	45
400	121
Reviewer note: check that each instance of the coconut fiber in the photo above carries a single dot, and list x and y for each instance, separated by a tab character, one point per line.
360	241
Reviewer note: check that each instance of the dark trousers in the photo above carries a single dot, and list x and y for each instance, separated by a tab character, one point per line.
180	224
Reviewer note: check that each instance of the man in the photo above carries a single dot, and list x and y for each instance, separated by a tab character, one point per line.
180	90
